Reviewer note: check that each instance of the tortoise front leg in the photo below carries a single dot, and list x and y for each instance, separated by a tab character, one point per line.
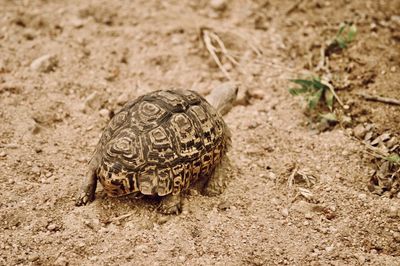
217	182
88	189
171	204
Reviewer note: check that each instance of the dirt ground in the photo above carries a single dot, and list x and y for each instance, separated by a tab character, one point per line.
299	194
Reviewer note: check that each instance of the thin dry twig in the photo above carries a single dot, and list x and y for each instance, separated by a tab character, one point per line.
322	61
292	175
121	217
334	93
379	99
294	7
246	37
206	34
223	48
266	63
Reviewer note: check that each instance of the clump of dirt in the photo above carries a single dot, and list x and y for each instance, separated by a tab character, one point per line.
300	195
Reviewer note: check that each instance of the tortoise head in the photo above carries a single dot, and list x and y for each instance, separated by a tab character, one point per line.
223	97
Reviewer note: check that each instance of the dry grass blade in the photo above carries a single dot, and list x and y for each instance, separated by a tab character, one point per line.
293	7
379	99
223	48
247	38
290	181
306	193
212	50
121	217
334	93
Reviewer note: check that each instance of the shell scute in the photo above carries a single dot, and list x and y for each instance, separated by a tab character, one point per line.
160	144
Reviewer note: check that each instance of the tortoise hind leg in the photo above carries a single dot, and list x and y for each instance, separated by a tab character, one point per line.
217	182
87	192
171	204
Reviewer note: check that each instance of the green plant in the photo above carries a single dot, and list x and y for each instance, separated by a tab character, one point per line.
314	91
345	34
393	158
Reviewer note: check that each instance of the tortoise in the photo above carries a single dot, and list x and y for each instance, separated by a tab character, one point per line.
160	144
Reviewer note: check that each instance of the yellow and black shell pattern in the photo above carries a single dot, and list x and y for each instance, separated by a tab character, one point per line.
160	144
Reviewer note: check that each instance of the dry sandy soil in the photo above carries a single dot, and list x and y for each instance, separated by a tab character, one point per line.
299	194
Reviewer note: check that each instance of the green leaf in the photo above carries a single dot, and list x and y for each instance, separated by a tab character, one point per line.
297	91
393	158
319	85
303	82
341	29
352	33
329	97
314	99
343	39
341	42
331	117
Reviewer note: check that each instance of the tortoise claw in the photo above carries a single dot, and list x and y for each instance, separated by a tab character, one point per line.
87	193
84	198
170	204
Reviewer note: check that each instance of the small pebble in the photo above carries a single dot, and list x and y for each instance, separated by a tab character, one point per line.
36	129
346	121
224	205
396	236
285	212
219	5
271	176
45	63
52	227
193	192
308	215
359	131
92	100
253	125
61	261
104	113
361	259
11	146
362	196
3	154
393	212
368	136
258	94
122	99
36	170
141	249
163	219
329	249
391	142
77	23
33	257
146	225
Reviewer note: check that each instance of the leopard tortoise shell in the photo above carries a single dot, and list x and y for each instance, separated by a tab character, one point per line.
160	144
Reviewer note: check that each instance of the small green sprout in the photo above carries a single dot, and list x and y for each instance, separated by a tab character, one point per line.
345	35
314	91
344	39
393	158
